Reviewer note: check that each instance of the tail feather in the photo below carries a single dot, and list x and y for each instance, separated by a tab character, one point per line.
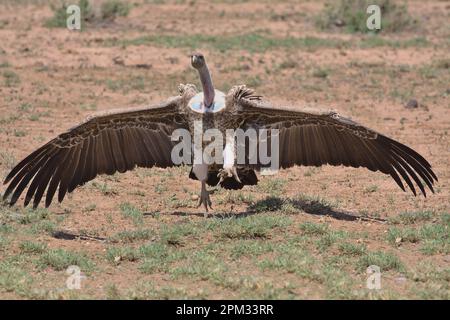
247	176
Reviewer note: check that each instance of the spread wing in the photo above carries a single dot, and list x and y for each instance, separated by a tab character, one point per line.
312	138
117	140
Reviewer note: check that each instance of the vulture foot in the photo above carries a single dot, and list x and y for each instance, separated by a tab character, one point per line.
205	199
228	172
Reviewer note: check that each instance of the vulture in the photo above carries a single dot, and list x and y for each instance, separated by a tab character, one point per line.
121	139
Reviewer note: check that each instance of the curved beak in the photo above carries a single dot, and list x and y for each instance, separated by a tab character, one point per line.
194	59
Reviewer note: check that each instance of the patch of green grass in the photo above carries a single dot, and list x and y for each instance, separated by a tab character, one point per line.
352	249
32	247
403	234
235	197
326	236
411	217
321	73
249	227
134	235
111	9
14	279
6	158
385	260
273	186
32	215
249	248
60	259
147	290
25	107
253	81
174	235
161	187
8	120
375	41
255	42
351	16
37	116
328	239
430	281
44	226
117	254
59	18
137	83
154	256
302	263
174	202
4	242
311	228
130	211
252	42
288	64
11	78
434	237
371	189
19	133
104	188
202	265
6	228
158	257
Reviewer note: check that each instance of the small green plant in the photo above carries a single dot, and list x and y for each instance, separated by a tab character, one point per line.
311	228
129	211
33	247
351	16
114	8
321	73
11	78
60	259
134	235
117	254
352	249
385	260
59	18
411	217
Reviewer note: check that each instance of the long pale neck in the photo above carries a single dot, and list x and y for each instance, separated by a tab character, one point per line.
207	84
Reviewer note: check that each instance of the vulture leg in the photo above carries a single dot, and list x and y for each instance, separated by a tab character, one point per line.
205	199
201	172
229	155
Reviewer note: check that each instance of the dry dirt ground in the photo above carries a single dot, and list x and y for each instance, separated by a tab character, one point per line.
307	233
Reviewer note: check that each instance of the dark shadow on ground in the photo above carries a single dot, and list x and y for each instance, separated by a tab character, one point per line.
66	235
269	204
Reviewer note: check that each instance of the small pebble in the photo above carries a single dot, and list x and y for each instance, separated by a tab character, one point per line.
412	104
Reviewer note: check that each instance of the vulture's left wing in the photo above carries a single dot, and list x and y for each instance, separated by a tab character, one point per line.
117	140
312	138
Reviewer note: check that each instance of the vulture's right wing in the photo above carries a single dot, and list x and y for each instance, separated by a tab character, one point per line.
117	140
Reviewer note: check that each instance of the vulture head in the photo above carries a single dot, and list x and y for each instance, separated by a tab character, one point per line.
198	60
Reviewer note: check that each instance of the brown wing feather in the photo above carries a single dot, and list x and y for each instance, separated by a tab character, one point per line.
103	144
310	137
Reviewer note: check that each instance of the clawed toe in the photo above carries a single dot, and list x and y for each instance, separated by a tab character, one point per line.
228	173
